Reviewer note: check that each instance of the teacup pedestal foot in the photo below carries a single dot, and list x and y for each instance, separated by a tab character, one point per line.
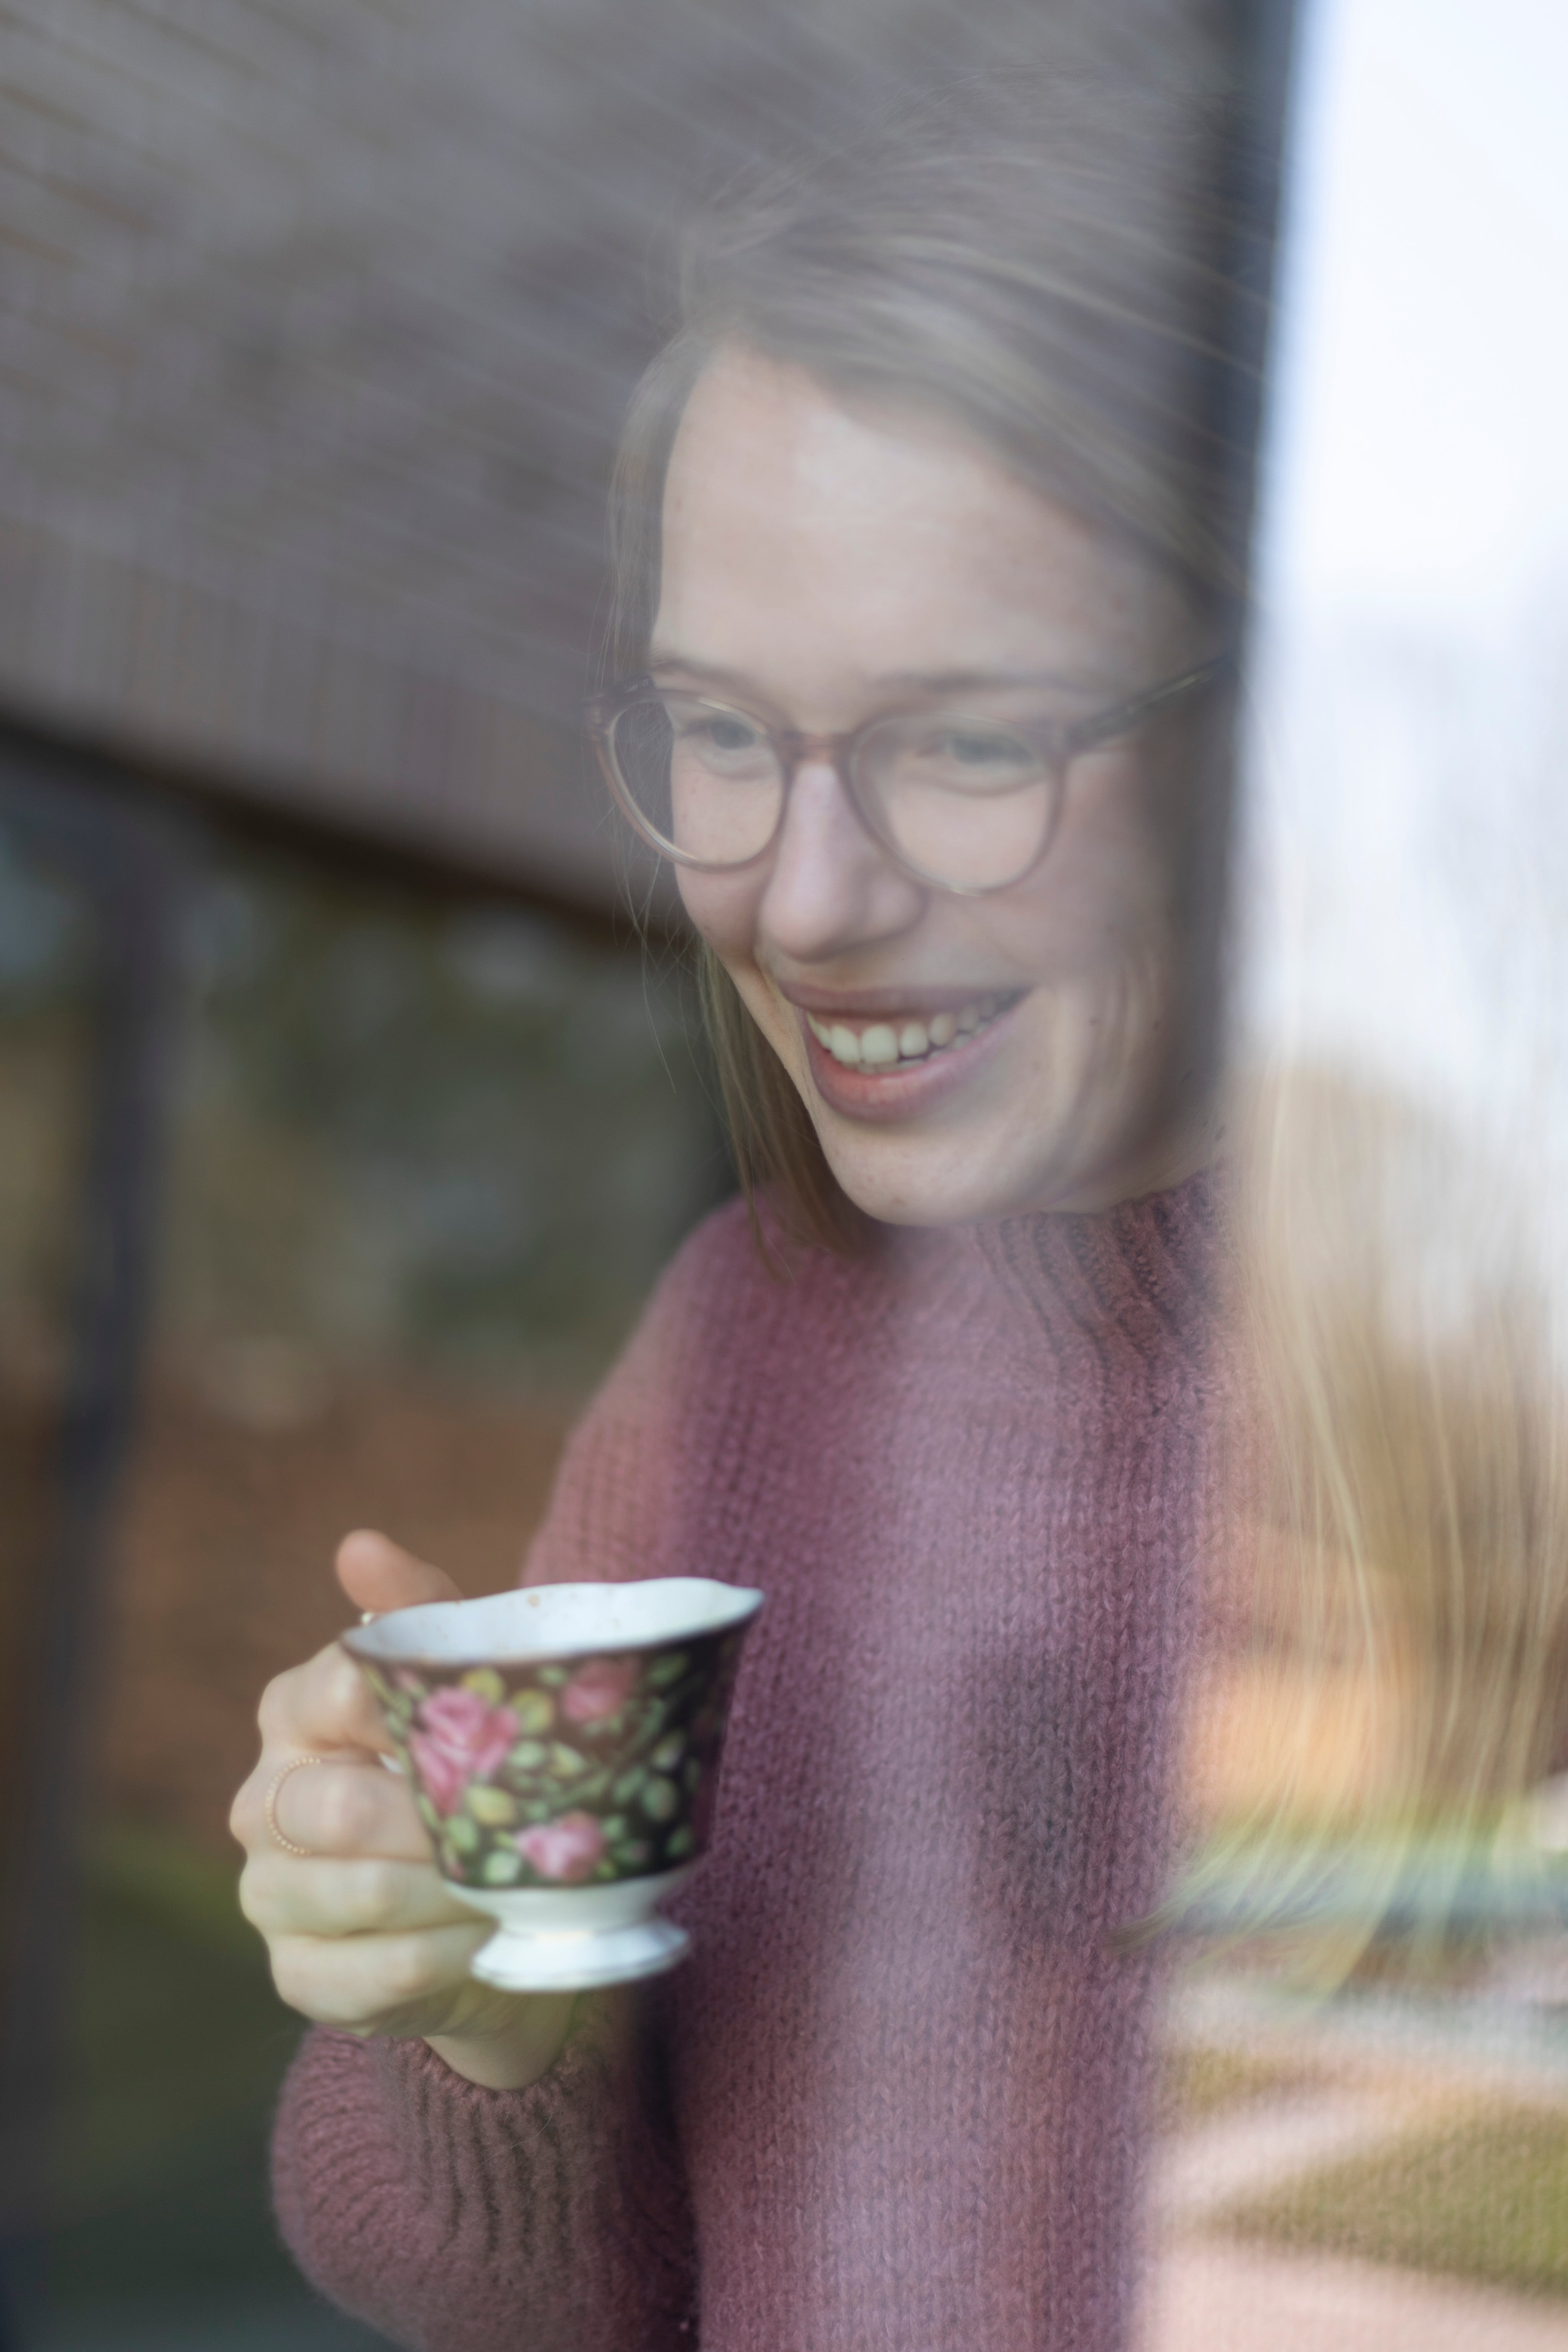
569	1940
530	1962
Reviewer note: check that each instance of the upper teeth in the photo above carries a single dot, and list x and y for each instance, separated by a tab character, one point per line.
879	1045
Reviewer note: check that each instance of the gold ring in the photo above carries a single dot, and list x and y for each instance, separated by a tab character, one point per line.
270	1807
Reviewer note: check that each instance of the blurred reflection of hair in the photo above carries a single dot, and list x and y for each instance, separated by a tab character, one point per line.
989	256
1405	1545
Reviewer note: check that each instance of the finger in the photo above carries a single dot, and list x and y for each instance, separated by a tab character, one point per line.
324	1705
378	1574
366	1983
282	1895
336	1809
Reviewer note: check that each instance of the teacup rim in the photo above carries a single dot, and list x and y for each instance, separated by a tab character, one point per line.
742	1603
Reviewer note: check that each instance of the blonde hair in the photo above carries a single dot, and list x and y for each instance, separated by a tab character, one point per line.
1065	271
1407	1527
1066	274
1054	265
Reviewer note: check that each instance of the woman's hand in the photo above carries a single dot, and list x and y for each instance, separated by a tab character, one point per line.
363	1932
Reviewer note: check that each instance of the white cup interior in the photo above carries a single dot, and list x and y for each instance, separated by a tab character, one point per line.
553	1620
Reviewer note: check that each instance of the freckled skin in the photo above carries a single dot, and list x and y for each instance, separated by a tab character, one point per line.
813	550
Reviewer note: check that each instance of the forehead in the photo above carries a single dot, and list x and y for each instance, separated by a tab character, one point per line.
803	532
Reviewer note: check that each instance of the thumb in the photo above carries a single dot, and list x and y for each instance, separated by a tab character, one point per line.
378	1574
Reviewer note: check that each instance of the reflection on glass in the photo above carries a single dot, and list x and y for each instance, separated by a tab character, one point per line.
1146	1772
1374	2049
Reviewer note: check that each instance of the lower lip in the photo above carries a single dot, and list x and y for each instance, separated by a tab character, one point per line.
904	1089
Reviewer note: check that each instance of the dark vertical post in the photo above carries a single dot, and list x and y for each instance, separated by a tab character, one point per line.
1263	37
124	860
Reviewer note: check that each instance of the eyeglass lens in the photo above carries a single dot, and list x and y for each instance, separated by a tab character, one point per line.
966	801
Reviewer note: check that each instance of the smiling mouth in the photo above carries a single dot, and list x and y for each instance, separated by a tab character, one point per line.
884	1045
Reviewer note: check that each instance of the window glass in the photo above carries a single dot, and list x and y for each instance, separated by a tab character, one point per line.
1372	2055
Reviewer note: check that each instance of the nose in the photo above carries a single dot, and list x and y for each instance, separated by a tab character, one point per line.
830	888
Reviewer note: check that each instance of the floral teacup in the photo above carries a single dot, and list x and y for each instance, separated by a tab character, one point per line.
564	1744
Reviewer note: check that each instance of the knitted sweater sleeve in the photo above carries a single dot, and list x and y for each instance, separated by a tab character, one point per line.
459	2220
552	2218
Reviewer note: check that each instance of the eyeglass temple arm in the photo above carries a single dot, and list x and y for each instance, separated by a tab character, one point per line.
600	708
1121	719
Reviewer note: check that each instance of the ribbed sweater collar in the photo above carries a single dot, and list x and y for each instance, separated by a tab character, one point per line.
1141	1269
1129	1283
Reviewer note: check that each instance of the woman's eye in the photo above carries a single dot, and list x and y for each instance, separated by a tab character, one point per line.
978	754
719	734
984	751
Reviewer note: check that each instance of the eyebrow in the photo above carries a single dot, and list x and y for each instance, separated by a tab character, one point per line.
958	681
670	658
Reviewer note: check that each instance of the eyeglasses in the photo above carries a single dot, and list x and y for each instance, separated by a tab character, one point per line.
959	798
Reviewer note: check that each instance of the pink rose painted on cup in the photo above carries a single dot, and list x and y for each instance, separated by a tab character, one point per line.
598	1690
459	1737
566	1849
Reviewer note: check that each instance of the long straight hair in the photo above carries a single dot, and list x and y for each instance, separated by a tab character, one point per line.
1060	270
1052	265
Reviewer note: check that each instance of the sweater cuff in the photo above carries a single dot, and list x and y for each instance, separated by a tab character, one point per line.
431	2111
440	2211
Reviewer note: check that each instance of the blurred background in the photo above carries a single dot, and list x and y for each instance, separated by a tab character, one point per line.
330	1183
347	1115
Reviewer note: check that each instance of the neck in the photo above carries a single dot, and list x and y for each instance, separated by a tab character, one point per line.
1157	1160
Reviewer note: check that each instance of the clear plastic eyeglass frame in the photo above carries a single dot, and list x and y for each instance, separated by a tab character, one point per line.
606	713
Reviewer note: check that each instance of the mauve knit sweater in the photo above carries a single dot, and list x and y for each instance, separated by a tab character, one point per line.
897	2096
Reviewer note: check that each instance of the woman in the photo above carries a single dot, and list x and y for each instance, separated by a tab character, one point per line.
926	560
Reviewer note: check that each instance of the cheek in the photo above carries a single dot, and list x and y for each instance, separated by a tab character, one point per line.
724	911
1108	884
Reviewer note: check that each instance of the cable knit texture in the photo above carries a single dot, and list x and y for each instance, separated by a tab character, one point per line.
897	2100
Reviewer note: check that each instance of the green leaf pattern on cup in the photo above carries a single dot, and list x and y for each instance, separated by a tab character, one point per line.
567	1773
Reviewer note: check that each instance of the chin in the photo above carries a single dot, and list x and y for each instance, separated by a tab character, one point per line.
898	1189
1076	1171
